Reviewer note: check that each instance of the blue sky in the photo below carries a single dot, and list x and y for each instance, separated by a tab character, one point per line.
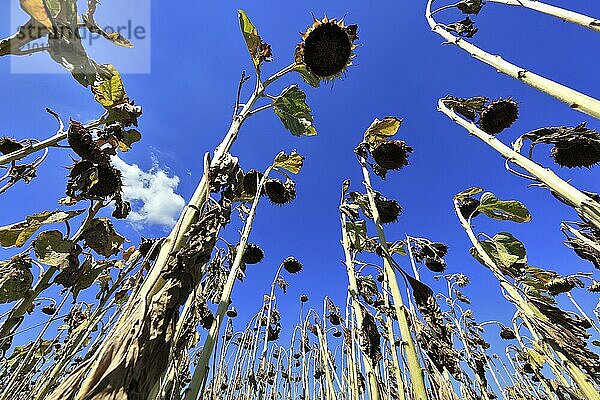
197	55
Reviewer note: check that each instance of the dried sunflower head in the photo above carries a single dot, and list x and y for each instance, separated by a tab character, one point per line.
498	115
232	312
279	192
251	181
468	207
327	48
574	154
391	154
9	145
434	264
253	254
292	265
303	298
389	210
507	334
109	182
560	285
89	180
81	141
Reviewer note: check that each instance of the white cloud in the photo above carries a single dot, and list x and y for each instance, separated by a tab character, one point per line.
151	193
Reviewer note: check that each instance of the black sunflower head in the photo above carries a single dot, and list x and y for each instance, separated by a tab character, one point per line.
87	179
389	210
391	154
435	264
327	48
560	285
279	192
507	334
253	254
303	298
292	265
251	181
109	182
468	207
81	141
232	312
576	154
9	145
498	115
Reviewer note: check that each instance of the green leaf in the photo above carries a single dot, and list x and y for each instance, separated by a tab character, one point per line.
307	76
17	234
292	162
357	233
507	253
293	111
259	50
51	249
380	130
398	248
111	90
512	210
468	193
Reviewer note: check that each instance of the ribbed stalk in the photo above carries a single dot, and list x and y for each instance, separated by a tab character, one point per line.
576	100
582	203
356	307
561	13
412	357
201	369
529	311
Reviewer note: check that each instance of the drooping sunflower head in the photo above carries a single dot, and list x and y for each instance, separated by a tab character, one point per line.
327	48
292	265
499	115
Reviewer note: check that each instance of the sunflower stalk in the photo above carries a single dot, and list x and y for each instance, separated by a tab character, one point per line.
201	370
528	312
414	365
576	100
370	369
561	13
585	206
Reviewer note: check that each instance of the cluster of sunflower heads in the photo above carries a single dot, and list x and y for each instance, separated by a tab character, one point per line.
572	146
326	50
278	191
430	253
388	154
491	116
93	177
